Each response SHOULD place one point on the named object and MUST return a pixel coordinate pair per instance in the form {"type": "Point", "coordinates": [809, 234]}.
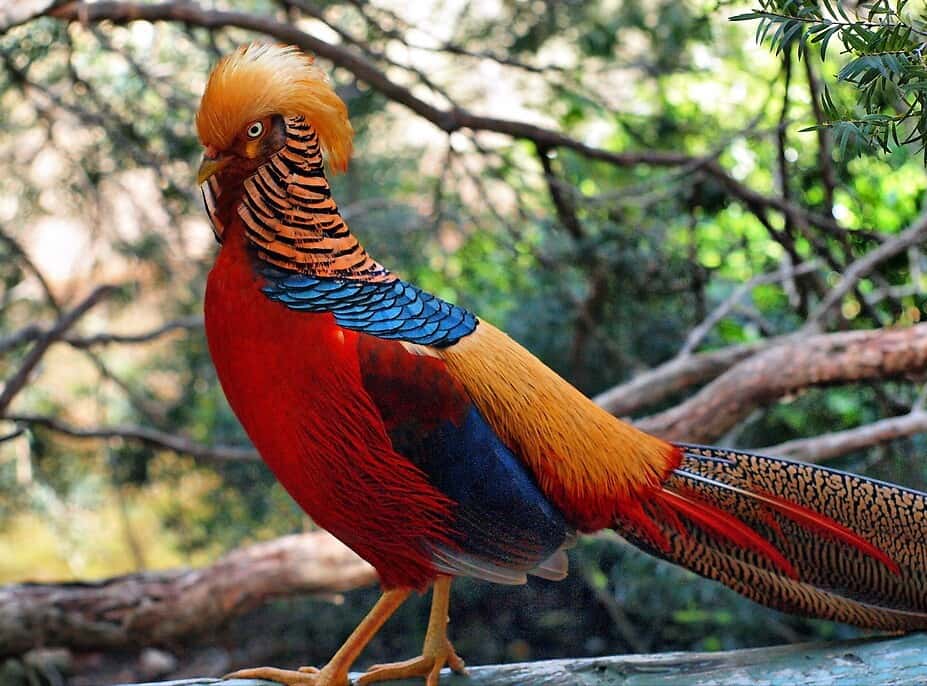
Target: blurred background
{"type": "Point", "coordinates": [690, 213]}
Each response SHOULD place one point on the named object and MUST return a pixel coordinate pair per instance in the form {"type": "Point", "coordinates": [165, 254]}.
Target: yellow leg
{"type": "Point", "coordinates": [436, 652]}
{"type": "Point", "coordinates": [335, 673]}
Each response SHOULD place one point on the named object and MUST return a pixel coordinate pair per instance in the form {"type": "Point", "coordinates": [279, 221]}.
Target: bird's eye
{"type": "Point", "coordinates": [255, 129]}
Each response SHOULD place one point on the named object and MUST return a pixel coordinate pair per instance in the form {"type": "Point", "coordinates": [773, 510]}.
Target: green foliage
{"type": "Point", "coordinates": [886, 42]}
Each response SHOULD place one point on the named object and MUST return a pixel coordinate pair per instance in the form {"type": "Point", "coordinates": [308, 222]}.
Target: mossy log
{"type": "Point", "coordinates": [891, 661]}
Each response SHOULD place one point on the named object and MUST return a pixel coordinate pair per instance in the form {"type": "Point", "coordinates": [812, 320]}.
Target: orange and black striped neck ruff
{"type": "Point", "coordinates": [312, 263]}
{"type": "Point", "coordinates": [293, 222]}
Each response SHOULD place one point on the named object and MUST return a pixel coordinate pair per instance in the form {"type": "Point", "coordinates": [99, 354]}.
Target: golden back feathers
{"type": "Point", "coordinates": [259, 80]}
{"type": "Point", "coordinates": [587, 462]}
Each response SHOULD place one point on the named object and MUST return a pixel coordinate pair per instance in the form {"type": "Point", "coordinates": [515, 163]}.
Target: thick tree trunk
{"type": "Point", "coordinates": [870, 661]}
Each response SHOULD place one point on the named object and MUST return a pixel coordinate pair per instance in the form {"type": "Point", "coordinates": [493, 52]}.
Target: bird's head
{"type": "Point", "coordinates": [241, 121]}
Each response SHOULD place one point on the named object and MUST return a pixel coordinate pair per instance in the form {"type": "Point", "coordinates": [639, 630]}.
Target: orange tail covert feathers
{"type": "Point", "coordinates": [588, 463]}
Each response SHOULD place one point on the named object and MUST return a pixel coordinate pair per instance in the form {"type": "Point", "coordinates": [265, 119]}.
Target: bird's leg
{"type": "Point", "coordinates": [335, 673]}
{"type": "Point", "coordinates": [436, 652]}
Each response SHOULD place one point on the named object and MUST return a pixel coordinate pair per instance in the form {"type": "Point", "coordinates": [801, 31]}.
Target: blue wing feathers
{"type": "Point", "coordinates": [501, 514]}
{"type": "Point", "coordinates": [393, 310]}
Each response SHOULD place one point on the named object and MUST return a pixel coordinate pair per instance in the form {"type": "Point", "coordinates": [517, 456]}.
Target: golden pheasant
{"type": "Point", "coordinates": [435, 446]}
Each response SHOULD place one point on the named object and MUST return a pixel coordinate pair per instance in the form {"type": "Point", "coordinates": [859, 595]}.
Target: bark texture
{"type": "Point", "coordinates": [871, 661]}
{"type": "Point", "coordinates": [776, 373]}
{"type": "Point", "coordinates": [160, 607]}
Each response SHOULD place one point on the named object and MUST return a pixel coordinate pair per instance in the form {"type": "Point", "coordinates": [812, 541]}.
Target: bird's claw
{"type": "Point", "coordinates": [428, 665]}
{"type": "Point", "coordinates": [304, 676]}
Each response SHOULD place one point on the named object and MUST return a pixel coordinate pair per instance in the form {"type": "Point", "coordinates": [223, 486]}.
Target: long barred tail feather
{"type": "Point", "coordinates": [797, 537]}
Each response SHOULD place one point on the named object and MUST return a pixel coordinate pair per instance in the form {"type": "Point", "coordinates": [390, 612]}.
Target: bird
{"type": "Point", "coordinates": [436, 447]}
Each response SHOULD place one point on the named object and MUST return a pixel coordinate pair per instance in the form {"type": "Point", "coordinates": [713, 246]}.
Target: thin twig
{"type": "Point", "coordinates": [20, 337]}
{"type": "Point", "coordinates": [31, 267]}
{"type": "Point", "coordinates": [16, 382]}
{"type": "Point", "coordinates": [15, 433]}
{"type": "Point", "coordinates": [859, 269]}
{"type": "Point", "coordinates": [183, 323]}
{"type": "Point", "coordinates": [697, 335]}
{"type": "Point", "coordinates": [825, 147]}
{"type": "Point", "coordinates": [562, 201]}
{"type": "Point", "coordinates": [616, 613]}
{"type": "Point", "coordinates": [145, 435]}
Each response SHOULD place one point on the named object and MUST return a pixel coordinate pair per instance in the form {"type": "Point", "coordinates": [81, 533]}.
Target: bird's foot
{"type": "Point", "coordinates": [428, 665]}
{"type": "Point", "coordinates": [304, 676]}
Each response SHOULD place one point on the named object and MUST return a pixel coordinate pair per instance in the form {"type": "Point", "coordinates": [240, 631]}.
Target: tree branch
{"type": "Point", "coordinates": [786, 272]}
{"type": "Point", "coordinates": [32, 268]}
{"type": "Point", "coordinates": [20, 337]}
{"type": "Point", "coordinates": [820, 360]}
{"type": "Point", "coordinates": [16, 382]}
{"type": "Point", "coordinates": [183, 323]}
{"type": "Point", "coordinates": [912, 236]}
{"type": "Point", "coordinates": [157, 608]}
{"type": "Point", "coordinates": [880, 660]}
{"type": "Point", "coordinates": [563, 203]}
{"type": "Point", "coordinates": [33, 331]}
{"type": "Point", "coordinates": [448, 120]}
{"type": "Point", "coordinates": [145, 435]}
{"type": "Point", "coordinates": [654, 385]}
{"type": "Point", "coordinates": [827, 446]}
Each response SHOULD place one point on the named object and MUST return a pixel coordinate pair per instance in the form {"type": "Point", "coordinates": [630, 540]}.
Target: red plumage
{"type": "Point", "coordinates": [394, 378]}
{"type": "Point", "coordinates": [329, 450]}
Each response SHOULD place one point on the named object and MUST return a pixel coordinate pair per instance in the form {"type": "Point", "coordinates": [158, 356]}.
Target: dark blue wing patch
{"type": "Point", "coordinates": [502, 516]}
{"type": "Point", "coordinates": [394, 310]}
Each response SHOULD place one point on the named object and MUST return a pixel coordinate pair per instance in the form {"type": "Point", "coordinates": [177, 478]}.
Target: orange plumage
{"type": "Point", "coordinates": [586, 461]}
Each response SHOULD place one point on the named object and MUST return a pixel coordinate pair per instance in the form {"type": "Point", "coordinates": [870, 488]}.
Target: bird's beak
{"type": "Point", "coordinates": [210, 166]}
